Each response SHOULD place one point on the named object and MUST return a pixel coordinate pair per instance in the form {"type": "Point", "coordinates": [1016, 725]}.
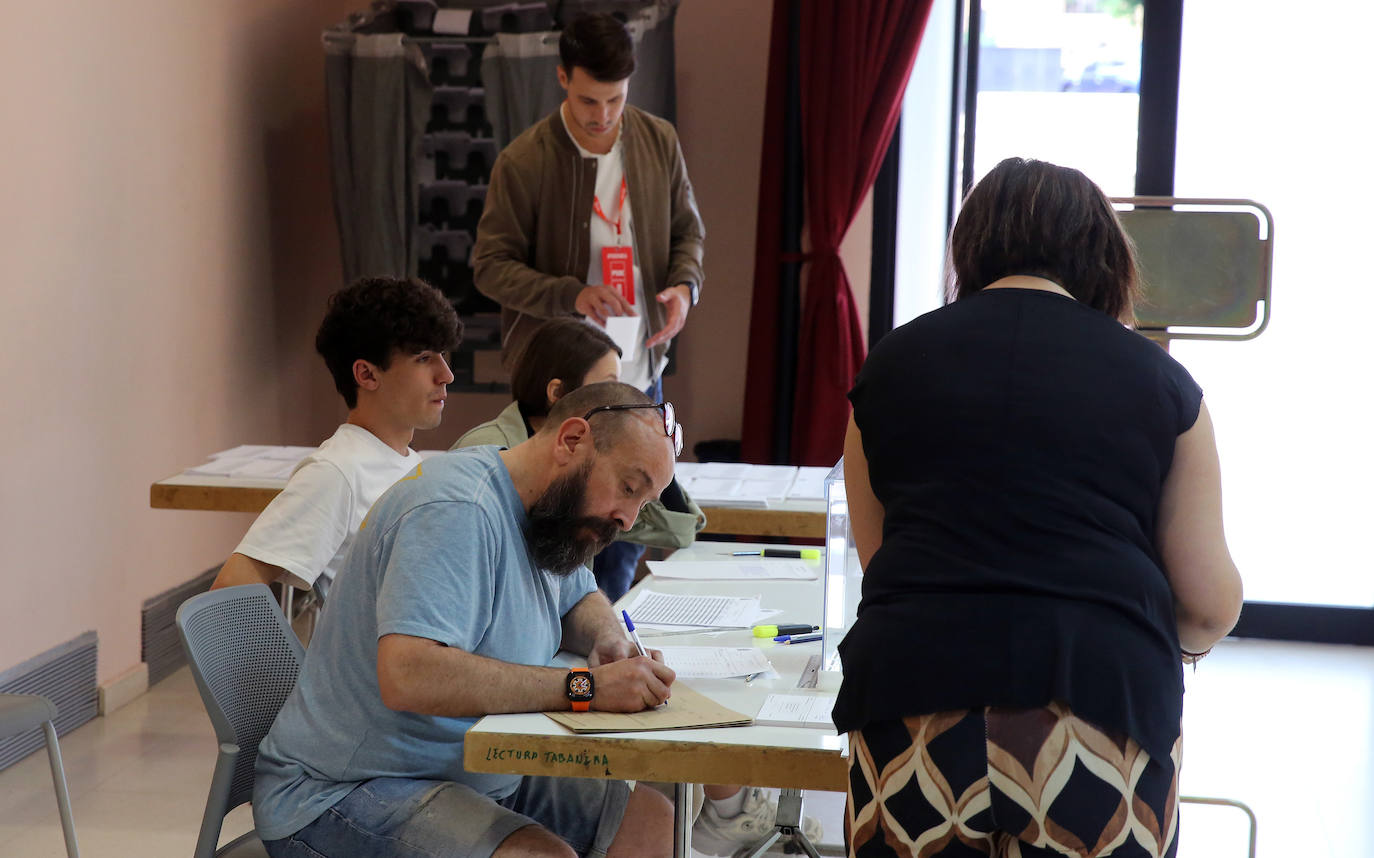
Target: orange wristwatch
{"type": "Point", "coordinates": [580, 688]}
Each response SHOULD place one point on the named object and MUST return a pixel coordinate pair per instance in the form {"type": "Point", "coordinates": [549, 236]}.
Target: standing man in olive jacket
{"type": "Point", "coordinates": [596, 175]}
{"type": "Point", "coordinates": [590, 212]}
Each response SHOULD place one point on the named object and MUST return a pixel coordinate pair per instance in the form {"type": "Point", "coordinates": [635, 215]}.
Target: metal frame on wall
{"type": "Point", "coordinates": [1156, 148]}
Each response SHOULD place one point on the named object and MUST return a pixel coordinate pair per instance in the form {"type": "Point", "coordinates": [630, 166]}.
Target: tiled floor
{"type": "Point", "coordinates": [1287, 728]}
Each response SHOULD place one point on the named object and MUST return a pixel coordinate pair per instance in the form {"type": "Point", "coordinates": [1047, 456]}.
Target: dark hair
{"type": "Point", "coordinates": [600, 44]}
{"type": "Point", "coordinates": [610, 425]}
{"type": "Point", "coordinates": [378, 316]}
{"type": "Point", "coordinates": [563, 348]}
{"type": "Point", "coordinates": [1043, 220]}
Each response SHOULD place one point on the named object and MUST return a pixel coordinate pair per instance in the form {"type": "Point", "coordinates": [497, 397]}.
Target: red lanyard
{"type": "Point", "coordinates": [620, 210]}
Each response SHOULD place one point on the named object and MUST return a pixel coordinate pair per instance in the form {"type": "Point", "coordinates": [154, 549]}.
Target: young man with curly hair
{"type": "Point", "coordinates": [384, 341]}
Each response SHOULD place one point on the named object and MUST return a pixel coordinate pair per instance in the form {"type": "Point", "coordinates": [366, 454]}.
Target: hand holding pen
{"type": "Point", "coordinates": [653, 655]}
{"type": "Point", "coordinates": [634, 635]}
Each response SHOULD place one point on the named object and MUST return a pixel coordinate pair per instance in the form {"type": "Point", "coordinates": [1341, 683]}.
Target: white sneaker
{"type": "Point", "coordinates": [716, 835]}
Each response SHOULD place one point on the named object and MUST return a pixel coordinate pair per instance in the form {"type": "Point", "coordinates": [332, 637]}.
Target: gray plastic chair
{"type": "Point", "coordinates": [20, 713]}
{"type": "Point", "coordinates": [245, 659]}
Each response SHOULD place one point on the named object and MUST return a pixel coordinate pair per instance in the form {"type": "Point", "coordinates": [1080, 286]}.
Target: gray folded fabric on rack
{"type": "Point", "coordinates": [378, 99]}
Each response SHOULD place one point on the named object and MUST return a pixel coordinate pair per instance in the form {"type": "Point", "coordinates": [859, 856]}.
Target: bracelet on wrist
{"type": "Point", "coordinates": [1193, 657]}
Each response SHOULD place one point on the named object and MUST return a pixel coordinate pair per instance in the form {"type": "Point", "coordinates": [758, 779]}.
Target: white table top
{"type": "Point", "coordinates": [814, 755]}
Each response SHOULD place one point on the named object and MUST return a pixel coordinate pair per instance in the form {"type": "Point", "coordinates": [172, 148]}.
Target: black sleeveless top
{"type": "Point", "coordinates": [1018, 442]}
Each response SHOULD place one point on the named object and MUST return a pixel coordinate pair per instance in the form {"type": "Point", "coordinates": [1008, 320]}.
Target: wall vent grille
{"type": "Point", "coordinates": [65, 675]}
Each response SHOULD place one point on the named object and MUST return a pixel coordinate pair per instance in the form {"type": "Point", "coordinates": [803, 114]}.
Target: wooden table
{"type": "Point", "coordinates": [786, 757]}
{"type": "Point", "coordinates": [793, 520]}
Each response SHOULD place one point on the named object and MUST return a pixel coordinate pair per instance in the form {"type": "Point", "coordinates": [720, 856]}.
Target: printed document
{"type": "Point", "coordinates": [715, 662]}
{"type": "Point", "coordinates": [719, 612]}
{"type": "Point", "coordinates": [738, 570]}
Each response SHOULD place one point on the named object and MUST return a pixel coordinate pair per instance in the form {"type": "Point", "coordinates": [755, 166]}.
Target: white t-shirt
{"type": "Point", "coordinates": [307, 529]}
{"type": "Point", "coordinates": [635, 368]}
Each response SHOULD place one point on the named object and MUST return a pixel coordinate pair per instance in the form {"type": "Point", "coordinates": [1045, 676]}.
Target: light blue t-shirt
{"type": "Point", "coordinates": [442, 555]}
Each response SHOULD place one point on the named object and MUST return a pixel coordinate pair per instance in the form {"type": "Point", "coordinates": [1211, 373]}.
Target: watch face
{"type": "Point", "coordinates": [579, 686]}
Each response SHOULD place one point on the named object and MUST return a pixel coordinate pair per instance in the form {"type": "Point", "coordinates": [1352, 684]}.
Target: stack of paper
{"type": "Point", "coordinates": [808, 485]}
{"type": "Point", "coordinates": [715, 662]}
{"type": "Point", "coordinates": [738, 485]}
{"type": "Point", "coordinates": [727, 570]}
{"type": "Point", "coordinates": [797, 710]}
{"type": "Point", "coordinates": [715, 612]}
{"type": "Point", "coordinates": [253, 461]}
{"type": "Point", "coordinates": [260, 462]}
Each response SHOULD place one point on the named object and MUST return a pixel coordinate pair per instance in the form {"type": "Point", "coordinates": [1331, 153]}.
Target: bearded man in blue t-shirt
{"type": "Point", "coordinates": [466, 577]}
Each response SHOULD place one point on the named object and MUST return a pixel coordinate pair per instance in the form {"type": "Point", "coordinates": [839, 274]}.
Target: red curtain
{"type": "Point", "coordinates": [760, 384]}
{"type": "Point", "coordinates": [856, 56]}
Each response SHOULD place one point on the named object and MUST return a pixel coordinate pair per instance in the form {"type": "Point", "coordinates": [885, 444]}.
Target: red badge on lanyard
{"type": "Point", "coordinates": [617, 262]}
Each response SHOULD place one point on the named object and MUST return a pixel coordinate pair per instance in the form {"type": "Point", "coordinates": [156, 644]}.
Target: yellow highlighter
{"type": "Point", "coordinates": [776, 631]}
{"type": "Point", "coordinates": [791, 553]}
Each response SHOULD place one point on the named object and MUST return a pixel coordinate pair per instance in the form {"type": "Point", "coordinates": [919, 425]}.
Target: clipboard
{"type": "Point", "coordinates": [686, 709]}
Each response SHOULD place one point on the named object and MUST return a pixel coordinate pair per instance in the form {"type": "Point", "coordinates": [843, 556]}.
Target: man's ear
{"type": "Point", "coordinates": [366, 375]}
{"type": "Point", "coordinates": [574, 435]}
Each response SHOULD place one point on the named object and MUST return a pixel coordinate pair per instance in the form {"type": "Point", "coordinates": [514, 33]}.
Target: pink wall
{"type": "Point", "coordinates": [166, 237]}
{"type": "Point", "coordinates": [166, 246]}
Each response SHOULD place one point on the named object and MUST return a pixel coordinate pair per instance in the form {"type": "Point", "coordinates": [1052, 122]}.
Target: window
{"type": "Point", "coordinates": [1060, 81]}
{"type": "Point", "coordinates": [1293, 408]}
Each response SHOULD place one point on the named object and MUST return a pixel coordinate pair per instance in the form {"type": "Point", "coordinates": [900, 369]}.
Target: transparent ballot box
{"type": "Point", "coordinates": [843, 576]}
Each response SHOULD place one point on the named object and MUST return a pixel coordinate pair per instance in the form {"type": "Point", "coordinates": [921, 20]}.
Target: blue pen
{"type": "Point", "coordinates": [634, 635]}
{"type": "Point", "coordinates": [796, 639]}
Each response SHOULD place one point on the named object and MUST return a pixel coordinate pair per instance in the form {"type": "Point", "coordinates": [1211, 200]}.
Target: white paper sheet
{"type": "Point", "coordinates": [224, 466]}
{"type": "Point", "coordinates": [715, 662]}
{"type": "Point", "coordinates": [735, 570]}
{"type": "Point", "coordinates": [242, 451]}
{"type": "Point", "coordinates": [727, 471]}
{"type": "Point", "coordinates": [686, 470]}
{"type": "Point", "coordinates": [266, 469]}
{"type": "Point", "coordinates": [628, 333]}
{"type": "Point", "coordinates": [809, 484]}
{"type": "Point", "coordinates": [668, 609]}
{"type": "Point", "coordinates": [288, 454]}
{"type": "Point", "coordinates": [797, 710]}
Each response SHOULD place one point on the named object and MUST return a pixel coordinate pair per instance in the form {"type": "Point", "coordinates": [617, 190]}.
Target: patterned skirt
{"type": "Point", "coordinates": [1007, 782]}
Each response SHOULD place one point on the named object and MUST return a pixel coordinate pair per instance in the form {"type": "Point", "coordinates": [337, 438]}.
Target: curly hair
{"type": "Point", "coordinates": [1033, 217]}
{"type": "Point", "coordinates": [377, 317]}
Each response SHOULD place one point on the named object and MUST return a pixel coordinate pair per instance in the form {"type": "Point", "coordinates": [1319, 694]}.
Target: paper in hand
{"type": "Point", "coordinates": [628, 333]}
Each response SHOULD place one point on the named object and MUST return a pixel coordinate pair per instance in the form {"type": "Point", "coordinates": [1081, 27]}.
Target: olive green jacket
{"type": "Point", "coordinates": [656, 525]}
{"type": "Point", "coordinates": [533, 241]}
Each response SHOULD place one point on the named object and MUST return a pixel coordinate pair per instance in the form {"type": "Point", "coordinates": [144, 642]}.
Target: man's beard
{"type": "Point", "coordinates": [561, 538]}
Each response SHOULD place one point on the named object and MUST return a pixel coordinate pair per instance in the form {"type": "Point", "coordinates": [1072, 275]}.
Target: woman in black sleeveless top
{"type": "Point", "coordinates": [1035, 496]}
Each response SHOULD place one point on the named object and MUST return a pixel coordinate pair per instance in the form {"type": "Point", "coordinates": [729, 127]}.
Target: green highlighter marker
{"type": "Point", "coordinates": [792, 553]}
{"type": "Point", "coordinates": [775, 631]}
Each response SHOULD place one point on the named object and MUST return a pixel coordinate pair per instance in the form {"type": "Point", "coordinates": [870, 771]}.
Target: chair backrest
{"type": "Point", "coordinates": [245, 658]}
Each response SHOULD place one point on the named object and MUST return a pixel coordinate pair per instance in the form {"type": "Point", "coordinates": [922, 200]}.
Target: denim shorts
{"type": "Point", "coordinates": [406, 818]}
